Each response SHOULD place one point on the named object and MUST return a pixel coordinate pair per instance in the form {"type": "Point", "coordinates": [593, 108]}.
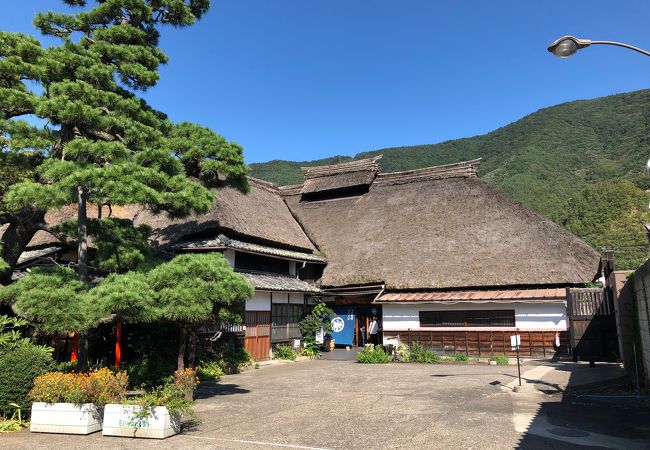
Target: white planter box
{"type": "Point", "coordinates": [120, 420]}
{"type": "Point", "coordinates": [68, 418]}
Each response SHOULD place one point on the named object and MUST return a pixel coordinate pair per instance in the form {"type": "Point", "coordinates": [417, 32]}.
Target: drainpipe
{"type": "Point", "coordinates": [304, 263]}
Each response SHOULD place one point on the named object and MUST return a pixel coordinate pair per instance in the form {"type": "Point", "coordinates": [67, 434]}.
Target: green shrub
{"type": "Point", "coordinates": [209, 370]}
{"type": "Point", "coordinates": [403, 353]}
{"type": "Point", "coordinates": [19, 366]}
{"type": "Point", "coordinates": [151, 353]}
{"type": "Point", "coordinates": [231, 356]}
{"type": "Point", "coordinates": [309, 352]}
{"type": "Point", "coordinates": [460, 357]}
{"type": "Point", "coordinates": [372, 355]}
{"type": "Point", "coordinates": [500, 360]}
{"type": "Point", "coordinates": [423, 355]}
{"type": "Point", "coordinates": [283, 351]}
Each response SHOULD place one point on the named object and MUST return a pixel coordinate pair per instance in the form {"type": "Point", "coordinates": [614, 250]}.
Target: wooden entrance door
{"type": "Point", "coordinates": [592, 325]}
{"type": "Point", "coordinates": [258, 334]}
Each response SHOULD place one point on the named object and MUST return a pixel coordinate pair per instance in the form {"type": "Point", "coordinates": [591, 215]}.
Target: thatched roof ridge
{"type": "Point", "coordinates": [359, 165]}
{"type": "Point", "coordinates": [441, 228]}
{"type": "Point", "coordinates": [465, 169]}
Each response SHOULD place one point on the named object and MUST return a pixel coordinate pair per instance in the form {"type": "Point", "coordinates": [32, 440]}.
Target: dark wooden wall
{"type": "Point", "coordinates": [485, 343]}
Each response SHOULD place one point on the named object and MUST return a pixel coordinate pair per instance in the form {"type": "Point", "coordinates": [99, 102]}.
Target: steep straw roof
{"type": "Point", "coordinates": [261, 215]}
{"type": "Point", "coordinates": [440, 228]}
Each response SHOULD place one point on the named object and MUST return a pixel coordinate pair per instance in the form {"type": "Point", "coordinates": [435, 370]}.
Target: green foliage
{"type": "Point", "coordinates": [3, 263]}
{"type": "Point", "coordinates": [150, 354]}
{"type": "Point", "coordinates": [167, 395]}
{"type": "Point", "coordinates": [229, 355]}
{"type": "Point", "coordinates": [52, 299]}
{"type": "Point", "coordinates": [19, 365]}
{"type": "Point", "coordinates": [102, 143]}
{"type": "Point", "coordinates": [128, 296]}
{"type": "Point", "coordinates": [120, 245]}
{"type": "Point", "coordinates": [460, 357]}
{"type": "Point", "coordinates": [372, 355]}
{"type": "Point", "coordinates": [207, 156]}
{"type": "Point", "coordinates": [610, 215]}
{"type": "Point", "coordinates": [191, 287]}
{"type": "Point", "coordinates": [422, 355]}
{"type": "Point", "coordinates": [15, 422]}
{"type": "Point", "coordinates": [319, 317]}
{"type": "Point", "coordinates": [500, 360]}
{"type": "Point", "coordinates": [543, 160]}
{"type": "Point", "coordinates": [283, 351]}
{"type": "Point", "coordinates": [209, 370]}
{"type": "Point", "coordinates": [310, 352]}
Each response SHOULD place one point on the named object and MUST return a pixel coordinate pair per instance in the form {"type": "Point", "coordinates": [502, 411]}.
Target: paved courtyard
{"type": "Point", "coordinates": [341, 405]}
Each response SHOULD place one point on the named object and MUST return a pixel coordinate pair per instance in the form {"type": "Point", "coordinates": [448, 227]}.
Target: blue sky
{"type": "Point", "coordinates": [304, 79]}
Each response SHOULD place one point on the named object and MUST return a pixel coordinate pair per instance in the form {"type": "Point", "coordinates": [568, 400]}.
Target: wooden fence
{"type": "Point", "coordinates": [485, 343]}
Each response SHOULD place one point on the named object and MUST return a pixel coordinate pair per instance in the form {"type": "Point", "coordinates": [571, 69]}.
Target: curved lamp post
{"type": "Point", "coordinates": [568, 45]}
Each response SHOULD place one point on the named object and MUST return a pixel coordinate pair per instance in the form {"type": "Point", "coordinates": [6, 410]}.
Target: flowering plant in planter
{"type": "Point", "coordinates": [72, 402]}
{"type": "Point", "coordinates": [155, 414]}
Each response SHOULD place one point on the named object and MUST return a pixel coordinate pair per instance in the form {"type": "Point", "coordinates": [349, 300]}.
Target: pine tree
{"type": "Point", "coordinates": [193, 287]}
{"type": "Point", "coordinates": [102, 144]}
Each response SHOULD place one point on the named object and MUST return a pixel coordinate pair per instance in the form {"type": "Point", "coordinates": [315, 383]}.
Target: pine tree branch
{"type": "Point", "coordinates": [15, 111]}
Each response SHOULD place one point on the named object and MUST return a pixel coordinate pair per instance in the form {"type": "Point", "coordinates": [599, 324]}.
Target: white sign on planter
{"type": "Point", "coordinates": [121, 420]}
{"type": "Point", "coordinates": [68, 418]}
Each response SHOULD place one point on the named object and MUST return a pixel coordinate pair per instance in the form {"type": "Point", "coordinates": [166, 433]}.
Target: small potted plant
{"type": "Point", "coordinates": [155, 414]}
{"type": "Point", "coordinates": [72, 403]}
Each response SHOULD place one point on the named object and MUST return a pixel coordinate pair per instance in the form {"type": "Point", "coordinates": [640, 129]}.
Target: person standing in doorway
{"type": "Point", "coordinates": [373, 331]}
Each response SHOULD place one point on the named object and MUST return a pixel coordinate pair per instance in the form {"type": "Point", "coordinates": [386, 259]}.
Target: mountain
{"type": "Point", "coordinates": [549, 160]}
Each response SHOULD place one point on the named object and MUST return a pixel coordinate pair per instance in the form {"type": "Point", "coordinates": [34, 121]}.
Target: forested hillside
{"type": "Point", "coordinates": [558, 161]}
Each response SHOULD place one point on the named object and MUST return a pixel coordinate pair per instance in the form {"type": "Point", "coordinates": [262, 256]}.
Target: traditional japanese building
{"type": "Point", "coordinates": [436, 254]}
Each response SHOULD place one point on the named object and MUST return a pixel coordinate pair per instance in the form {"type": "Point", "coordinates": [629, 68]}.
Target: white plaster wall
{"type": "Point", "coordinates": [528, 316]}
{"type": "Point", "coordinates": [261, 301]}
{"type": "Point", "coordinates": [297, 299]}
{"type": "Point", "coordinates": [229, 254]}
{"type": "Point", "coordinates": [280, 297]}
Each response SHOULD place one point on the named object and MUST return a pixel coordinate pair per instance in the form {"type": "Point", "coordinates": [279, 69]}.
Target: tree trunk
{"type": "Point", "coordinates": [191, 358]}
{"type": "Point", "coordinates": [82, 230]}
{"type": "Point", "coordinates": [181, 348]}
{"type": "Point", "coordinates": [82, 266]}
{"type": "Point", "coordinates": [23, 225]}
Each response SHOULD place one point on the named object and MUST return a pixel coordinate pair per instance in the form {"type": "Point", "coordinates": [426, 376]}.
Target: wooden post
{"type": "Point", "coordinates": [118, 344]}
{"type": "Point", "coordinates": [75, 348]}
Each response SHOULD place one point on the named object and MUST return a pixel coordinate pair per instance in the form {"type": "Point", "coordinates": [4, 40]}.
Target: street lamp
{"type": "Point", "coordinates": [568, 45]}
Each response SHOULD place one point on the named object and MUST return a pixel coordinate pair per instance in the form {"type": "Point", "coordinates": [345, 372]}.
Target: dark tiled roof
{"type": "Point", "coordinates": [265, 282]}
{"type": "Point", "coordinates": [223, 241]}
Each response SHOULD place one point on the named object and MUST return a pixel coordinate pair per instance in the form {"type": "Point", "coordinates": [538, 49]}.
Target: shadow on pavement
{"type": "Point", "coordinates": [570, 420]}
{"type": "Point", "coordinates": [209, 389]}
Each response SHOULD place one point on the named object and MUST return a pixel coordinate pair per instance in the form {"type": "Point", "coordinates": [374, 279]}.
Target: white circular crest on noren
{"type": "Point", "coordinates": [337, 324]}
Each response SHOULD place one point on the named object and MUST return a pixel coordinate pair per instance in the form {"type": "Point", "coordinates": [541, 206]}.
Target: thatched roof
{"type": "Point", "coordinates": [440, 228]}
{"type": "Point", "coordinates": [45, 239]}
{"type": "Point", "coordinates": [261, 216]}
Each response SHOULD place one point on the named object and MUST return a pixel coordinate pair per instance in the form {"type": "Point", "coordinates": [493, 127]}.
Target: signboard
{"type": "Point", "coordinates": [343, 325]}
{"type": "Point", "coordinates": [320, 336]}
{"type": "Point", "coordinates": [515, 341]}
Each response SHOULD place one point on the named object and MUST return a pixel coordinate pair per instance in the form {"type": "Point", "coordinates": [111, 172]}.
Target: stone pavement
{"type": "Point", "coordinates": [340, 404]}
